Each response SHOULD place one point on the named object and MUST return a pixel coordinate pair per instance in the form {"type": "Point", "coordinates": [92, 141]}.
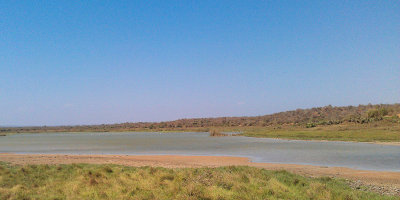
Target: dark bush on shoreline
{"type": "Point", "coordinates": [215, 133]}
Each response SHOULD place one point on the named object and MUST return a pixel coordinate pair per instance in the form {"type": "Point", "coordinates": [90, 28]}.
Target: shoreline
{"type": "Point", "coordinates": [308, 140]}
{"type": "Point", "coordinates": [397, 143]}
{"type": "Point", "coordinates": [383, 180]}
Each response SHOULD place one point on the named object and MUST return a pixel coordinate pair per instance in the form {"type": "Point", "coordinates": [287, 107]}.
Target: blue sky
{"type": "Point", "coordinates": [94, 62]}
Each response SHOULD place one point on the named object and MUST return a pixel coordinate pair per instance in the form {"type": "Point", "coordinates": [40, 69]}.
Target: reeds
{"type": "Point", "coordinates": [215, 133]}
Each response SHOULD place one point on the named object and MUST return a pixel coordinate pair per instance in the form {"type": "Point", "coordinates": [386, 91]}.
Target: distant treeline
{"type": "Point", "coordinates": [305, 117]}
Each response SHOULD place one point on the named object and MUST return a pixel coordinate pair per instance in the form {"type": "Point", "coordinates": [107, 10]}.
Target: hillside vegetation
{"type": "Point", "coordinates": [350, 123]}
{"type": "Point", "coordinates": [83, 181]}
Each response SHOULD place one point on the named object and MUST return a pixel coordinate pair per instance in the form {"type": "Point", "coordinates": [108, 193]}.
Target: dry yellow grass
{"type": "Point", "coordinates": [82, 181]}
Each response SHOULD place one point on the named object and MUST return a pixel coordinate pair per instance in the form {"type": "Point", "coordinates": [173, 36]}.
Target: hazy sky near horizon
{"type": "Point", "coordinates": [94, 62]}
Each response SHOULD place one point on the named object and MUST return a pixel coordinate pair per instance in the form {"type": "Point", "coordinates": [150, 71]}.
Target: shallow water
{"type": "Point", "coordinates": [345, 154]}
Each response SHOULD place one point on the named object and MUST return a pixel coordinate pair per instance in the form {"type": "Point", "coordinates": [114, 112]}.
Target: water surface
{"type": "Point", "coordinates": [345, 154]}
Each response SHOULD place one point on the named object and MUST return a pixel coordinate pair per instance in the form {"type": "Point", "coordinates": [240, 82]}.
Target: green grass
{"type": "Point", "coordinates": [332, 133]}
{"type": "Point", "coordinates": [342, 132]}
{"type": "Point", "coordinates": [84, 181]}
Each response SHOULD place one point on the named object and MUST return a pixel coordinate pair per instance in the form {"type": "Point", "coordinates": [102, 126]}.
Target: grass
{"type": "Point", "coordinates": [341, 132]}
{"type": "Point", "coordinates": [84, 181]}
{"type": "Point", "coordinates": [334, 133]}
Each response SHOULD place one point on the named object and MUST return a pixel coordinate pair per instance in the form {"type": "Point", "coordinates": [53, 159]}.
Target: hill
{"type": "Point", "coordinates": [327, 115]}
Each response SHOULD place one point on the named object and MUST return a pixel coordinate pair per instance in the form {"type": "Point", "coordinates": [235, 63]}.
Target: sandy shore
{"type": "Point", "coordinates": [387, 143]}
{"type": "Point", "coordinates": [388, 180]}
{"type": "Point", "coordinates": [377, 142]}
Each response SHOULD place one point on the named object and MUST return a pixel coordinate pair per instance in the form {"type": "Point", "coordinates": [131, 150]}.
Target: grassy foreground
{"type": "Point", "coordinates": [84, 181]}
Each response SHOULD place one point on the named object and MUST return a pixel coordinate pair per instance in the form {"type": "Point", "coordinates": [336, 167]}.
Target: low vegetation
{"type": "Point", "coordinates": [365, 123]}
{"type": "Point", "coordinates": [372, 132]}
{"type": "Point", "coordinates": [84, 181]}
{"type": "Point", "coordinates": [215, 133]}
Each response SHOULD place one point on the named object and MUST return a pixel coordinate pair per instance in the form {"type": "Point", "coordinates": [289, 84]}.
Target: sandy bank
{"type": "Point", "coordinates": [387, 143]}
{"type": "Point", "coordinates": [374, 178]}
{"type": "Point", "coordinates": [376, 142]}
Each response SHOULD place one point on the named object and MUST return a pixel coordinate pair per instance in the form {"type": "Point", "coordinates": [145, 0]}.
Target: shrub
{"type": "Point", "coordinates": [311, 125]}
{"type": "Point", "coordinates": [377, 114]}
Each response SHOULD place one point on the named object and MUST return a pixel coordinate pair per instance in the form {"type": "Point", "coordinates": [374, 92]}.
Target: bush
{"type": "Point", "coordinates": [215, 133]}
{"type": "Point", "coordinates": [311, 125]}
{"type": "Point", "coordinates": [377, 114]}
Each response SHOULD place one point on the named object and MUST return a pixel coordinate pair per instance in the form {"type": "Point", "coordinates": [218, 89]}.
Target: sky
{"type": "Point", "coordinates": [98, 62]}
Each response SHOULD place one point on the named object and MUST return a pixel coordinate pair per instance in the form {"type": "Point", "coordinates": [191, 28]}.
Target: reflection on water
{"type": "Point", "coordinates": [346, 154]}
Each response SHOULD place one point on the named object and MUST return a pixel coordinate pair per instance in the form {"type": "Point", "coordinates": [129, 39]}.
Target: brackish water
{"type": "Point", "coordinates": [344, 154]}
